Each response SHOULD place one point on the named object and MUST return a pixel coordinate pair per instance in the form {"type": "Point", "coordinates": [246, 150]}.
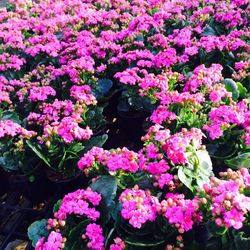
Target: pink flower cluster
{"type": "Point", "coordinates": [82, 93]}
{"type": "Point", "coordinates": [123, 159]}
{"type": "Point", "coordinates": [228, 204]}
{"type": "Point", "coordinates": [226, 116]}
{"type": "Point", "coordinates": [41, 93]}
{"type": "Point", "coordinates": [119, 159]}
{"type": "Point", "coordinates": [161, 114]}
{"type": "Point", "coordinates": [68, 129]}
{"type": "Point", "coordinates": [176, 146]}
{"type": "Point", "coordinates": [9, 128]}
{"type": "Point", "coordinates": [78, 203]}
{"type": "Point", "coordinates": [119, 244]}
{"type": "Point", "coordinates": [203, 76]}
{"type": "Point", "coordinates": [138, 206]}
{"type": "Point", "coordinates": [55, 241]}
{"type": "Point", "coordinates": [180, 212]}
{"type": "Point", "coordinates": [95, 236]}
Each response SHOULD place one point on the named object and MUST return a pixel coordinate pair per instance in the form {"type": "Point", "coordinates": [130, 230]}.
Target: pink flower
{"type": "Point", "coordinates": [68, 129]}
{"type": "Point", "coordinates": [181, 212]}
{"type": "Point", "coordinates": [228, 205]}
{"type": "Point", "coordinates": [165, 180]}
{"type": "Point", "coordinates": [12, 129]}
{"type": "Point", "coordinates": [138, 206]}
{"type": "Point", "coordinates": [54, 242]}
{"type": "Point", "coordinates": [41, 93]}
{"type": "Point", "coordinates": [119, 244]}
{"type": "Point", "coordinates": [161, 114]}
{"type": "Point", "coordinates": [82, 93]}
{"type": "Point", "coordinates": [96, 239]}
{"type": "Point", "coordinates": [78, 203]}
{"type": "Point", "coordinates": [123, 159]}
{"type": "Point", "coordinates": [176, 145]}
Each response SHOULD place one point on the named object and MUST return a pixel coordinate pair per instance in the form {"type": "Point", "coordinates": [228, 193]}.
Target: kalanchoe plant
{"type": "Point", "coordinates": [186, 63]}
{"type": "Point", "coordinates": [14, 148]}
{"type": "Point", "coordinates": [93, 217]}
{"type": "Point", "coordinates": [187, 59]}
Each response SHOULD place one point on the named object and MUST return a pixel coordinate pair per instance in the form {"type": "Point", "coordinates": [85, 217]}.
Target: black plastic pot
{"type": "Point", "coordinates": [4, 185]}
{"type": "Point", "coordinates": [39, 189]}
{"type": "Point", "coordinates": [132, 125]}
{"type": "Point", "coordinates": [35, 189]}
{"type": "Point", "coordinates": [63, 185]}
{"type": "Point", "coordinates": [201, 234]}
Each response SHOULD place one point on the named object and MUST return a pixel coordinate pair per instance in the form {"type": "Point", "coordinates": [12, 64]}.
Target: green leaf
{"type": "Point", "coordinates": [8, 162]}
{"type": "Point", "coordinates": [193, 246]}
{"type": "Point", "coordinates": [222, 151]}
{"type": "Point", "coordinates": [76, 245]}
{"type": "Point", "coordinates": [38, 153]}
{"type": "Point", "coordinates": [205, 168]}
{"type": "Point", "coordinates": [108, 238]}
{"type": "Point", "coordinates": [116, 212]}
{"type": "Point", "coordinates": [232, 87]}
{"type": "Point", "coordinates": [137, 241]}
{"type": "Point", "coordinates": [57, 206]}
{"type": "Point", "coordinates": [242, 90]}
{"type": "Point", "coordinates": [186, 176]}
{"type": "Point", "coordinates": [7, 115]}
{"type": "Point", "coordinates": [97, 141]}
{"type": "Point", "coordinates": [240, 161]}
{"type": "Point", "coordinates": [214, 229]}
{"type": "Point", "coordinates": [209, 31]}
{"type": "Point", "coordinates": [107, 187]}
{"type": "Point", "coordinates": [77, 231]}
{"type": "Point", "coordinates": [76, 148]}
{"type": "Point", "coordinates": [32, 178]}
{"type": "Point", "coordinates": [103, 86]}
{"type": "Point", "coordinates": [37, 230]}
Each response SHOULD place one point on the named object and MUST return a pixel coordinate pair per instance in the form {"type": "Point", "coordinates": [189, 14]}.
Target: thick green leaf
{"type": "Point", "coordinates": [8, 163]}
{"type": "Point", "coordinates": [205, 168]}
{"type": "Point", "coordinates": [240, 161]}
{"type": "Point", "coordinates": [143, 241]}
{"type": "Point", "coordinates": [76, 245]}
{"type": "Point", "coordinates": [136, 102]}
{"type": "Point", "coordinates": [199, 173]}
{"type": "Point", "coordinates": [116, 212]}
{"type": "Point", "coordinates": [186, 176]}
{"type": "Point", "coordinates": [97, 141]}
{"type": "Point", "coordinates": [193, 246]}
{"type": "Point", "coordinates": [242, 90]}
{"type": "Point", "coordinates": [57, 206]}
{"type": "Point", "coordinates": [37, 230]}
{"type": "Point", "coordinates": [7, 115]}
{"type": "Point", "coordinates": [222, 151]}
{"type": "Point", "coordinates": [107, 187]}
{"type": "Point", "coordinates": [215, 230]}
{"type": "Point", "coordinates": [38, 153]}
{"type": "Point", "coordinates": [102, 87]}
{"type": "Point", "coordinates": [209, 31]}
{"type": "Point", "coordinates": [77, 231]}
{"type": "Point", "coordinates": [232, 87]}
{"type": "Point", "coordinates": [76, 148]}
{"type": "Point", "coordinates": [109, 237]}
